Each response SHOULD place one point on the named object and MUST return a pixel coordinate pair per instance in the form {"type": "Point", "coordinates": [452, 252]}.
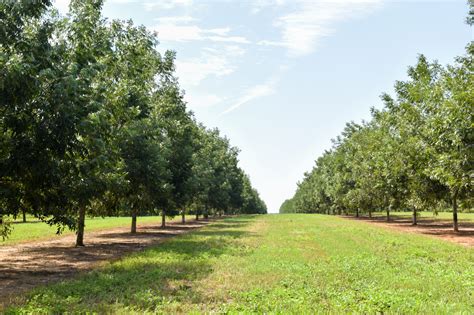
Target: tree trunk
{"type": "Point", "coordinates": [183, 217]}
{"type": "Point", "coordinates": [206, 213]}
{"type": "Point", "coordinates": [134, 222]}
{"type": "Point", "coordinates": [357, 212]}
{"type": "Point", "coordinates": [24, 216]}
{"type": "Point", "coordinates": [163, 219]}
{"type": "Point", "coordinates": [414, 217]}
{"type": "Point", "coordinates": [455, 212]}
{"type": "Point", "coordinates": [197, 215]}
{"type": "Point", "coordinates": [370, 213]}
{"type": "Point", "coordinates": [80, 227]}
{"type": "Point", "coordinates": [388, 214]}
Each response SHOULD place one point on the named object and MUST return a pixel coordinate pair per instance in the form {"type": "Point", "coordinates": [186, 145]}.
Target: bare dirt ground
{"type": "Point", "coordinates": [28, 265]}
{"type": "Point", "coordinates": [439, 228]}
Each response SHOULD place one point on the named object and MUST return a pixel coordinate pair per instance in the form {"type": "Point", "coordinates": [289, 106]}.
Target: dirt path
{"type": "Point", "coordinates": [28, 265]}
{"type": "Point", "coordinates": [438, 228]}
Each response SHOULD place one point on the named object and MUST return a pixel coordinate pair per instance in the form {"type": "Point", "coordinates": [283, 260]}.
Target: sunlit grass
{"type": "Point", "coordinates": [276, 264]}
{"type": "Point", "coordinates": [36, 230]}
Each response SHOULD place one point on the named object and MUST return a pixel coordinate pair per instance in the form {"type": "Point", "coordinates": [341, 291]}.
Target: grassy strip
{"type": "Point", "coordinates": [36, 230]}
{"type": "Point", "coordinates": [279, 264]}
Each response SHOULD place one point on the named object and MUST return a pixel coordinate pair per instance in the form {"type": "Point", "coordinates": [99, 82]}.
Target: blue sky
{"type": "Point", "coordinates": [281, 78]}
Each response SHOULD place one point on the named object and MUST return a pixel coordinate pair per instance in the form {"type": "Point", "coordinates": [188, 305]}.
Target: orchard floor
{"type": "Point", "coordinates": [284, 264]}
{"type": "Point", "coordinates": [30, 264]}
{"type": "Point", "coordinates": [436, 227]}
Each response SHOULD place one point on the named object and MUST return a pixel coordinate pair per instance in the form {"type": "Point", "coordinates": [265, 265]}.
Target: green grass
{"type": "Point", "coordinates": [462, 216]}
{"type": "Point", "coordinates": [36, 230]}
{"type": "Point", "coordinates": [276, 264]}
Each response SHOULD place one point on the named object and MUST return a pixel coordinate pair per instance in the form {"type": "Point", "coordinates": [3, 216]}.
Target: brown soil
{"type": "Point", "coordinates": [28, 265]}
{"type": "Point", "coordinates": [439, 228]}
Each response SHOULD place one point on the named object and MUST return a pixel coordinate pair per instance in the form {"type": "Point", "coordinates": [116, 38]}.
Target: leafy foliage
{"type": "Point", "coordinates": [94, 123]}
{"type": "Point", "coordinates": [415, 153]}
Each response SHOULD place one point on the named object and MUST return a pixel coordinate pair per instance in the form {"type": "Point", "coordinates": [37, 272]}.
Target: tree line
{"type": "Point", "coordinates": [94, 123]}
{"type": "Point", "coordinates": [415, 153]}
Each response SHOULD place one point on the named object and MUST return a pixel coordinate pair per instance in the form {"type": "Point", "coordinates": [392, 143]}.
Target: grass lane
{"type": "Point", "coordinates": [37, 230]}
{"type": "Point", "coordinates": [277, 264]}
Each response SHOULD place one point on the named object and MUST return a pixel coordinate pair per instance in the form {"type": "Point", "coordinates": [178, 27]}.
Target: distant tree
{"type": "Point", "coordinates": [415, 153]}
{"type": "Point", "coordinates": [94, 123]}
{"type": "Point", "coordinates": [180, 128]}
{"type": "Point", "coordinates": [93, 165]}
{"type": "Point", "coordinates": [449, 132]}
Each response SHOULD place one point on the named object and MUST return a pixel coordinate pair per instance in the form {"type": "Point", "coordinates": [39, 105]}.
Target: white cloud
{"type": "Point", "coordinates": [63, 5]}
{"type": "Point", "coordinates": [258, 91]}
{"type": "Point", "coordinates": [219, 31]}
{"type": "Point", "coordinates": [302, 30]}
{"type": "Point", "coordinates": [192, 72]}
{"type": "Point", "coordinates": [178, 33]}
{"type": "Point", "coordinates": [198, 100]}
{"type": "Point", "coordinates": [228, 50]}
{"type": "Point", "coordinates": [176, 19]}
{"type": "Point", "coordinates": [178, 29]}
{"type": "Point", "coordinates": [229, 39]}
{"type": "Point", "coordinates": [271, 43]}
{"type": "Point", "coordinates": [258, 5]}
{"type": "Point", "coordinates": [166, 4]}
{"type": "Point", "coordinates": [212, 62]}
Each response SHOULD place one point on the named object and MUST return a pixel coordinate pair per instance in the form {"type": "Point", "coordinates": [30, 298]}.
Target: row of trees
{"type": "Point", "coordinates": [416, 153]}
{"type": "Point", "coordinates": [94, 123]}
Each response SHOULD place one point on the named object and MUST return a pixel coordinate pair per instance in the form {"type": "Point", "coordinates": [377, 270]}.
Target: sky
{"type": "Point", "coordinates": [280, 78]}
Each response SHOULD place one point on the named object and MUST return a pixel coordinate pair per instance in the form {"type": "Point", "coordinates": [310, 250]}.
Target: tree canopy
{"type": "Point", "coordinates": [94, 123]}
{"type": "Point", "coordinates": [416, 153]}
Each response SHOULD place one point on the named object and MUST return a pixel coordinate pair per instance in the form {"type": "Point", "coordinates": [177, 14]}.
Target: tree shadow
{"type": "Point", "coordinates": [227, 233]}
{"type": "Point", "coordinates": [231, 224]}
{"type": "Point", "coordinates": [28, 222]}
{"type": "Point", "coordinates": [442, 228]}
{"type": "Point", "coordinates": [144, 281]}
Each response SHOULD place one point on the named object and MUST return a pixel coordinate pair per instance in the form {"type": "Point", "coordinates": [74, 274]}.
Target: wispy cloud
{"type": "Point", "coordinates": [176, 19]}
{"type": "Point", "coordinates": [213, 62]}
{"type": "Point", "coordinates": [180, 29]}
{"type": "Point", "coordinates": [229, 39]}
{"type": "Point", "coordinates": [258, 5]}
{"type": "Point", "coordinates": [303, 29]}
{"type": "Point", "coordinates": [63, 5]}
{"type": "Point", "coordinates": [258, 91]}
{"type": "Point", "coordinates": [166, 4]}
{"type": "Point", "coordinates": [200, 100]}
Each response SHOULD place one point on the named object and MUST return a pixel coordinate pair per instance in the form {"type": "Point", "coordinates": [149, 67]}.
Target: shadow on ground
{"type": "Point", "coordinates": [44, 263]}
{"type": "Point", "coordinates": [441, 228]}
